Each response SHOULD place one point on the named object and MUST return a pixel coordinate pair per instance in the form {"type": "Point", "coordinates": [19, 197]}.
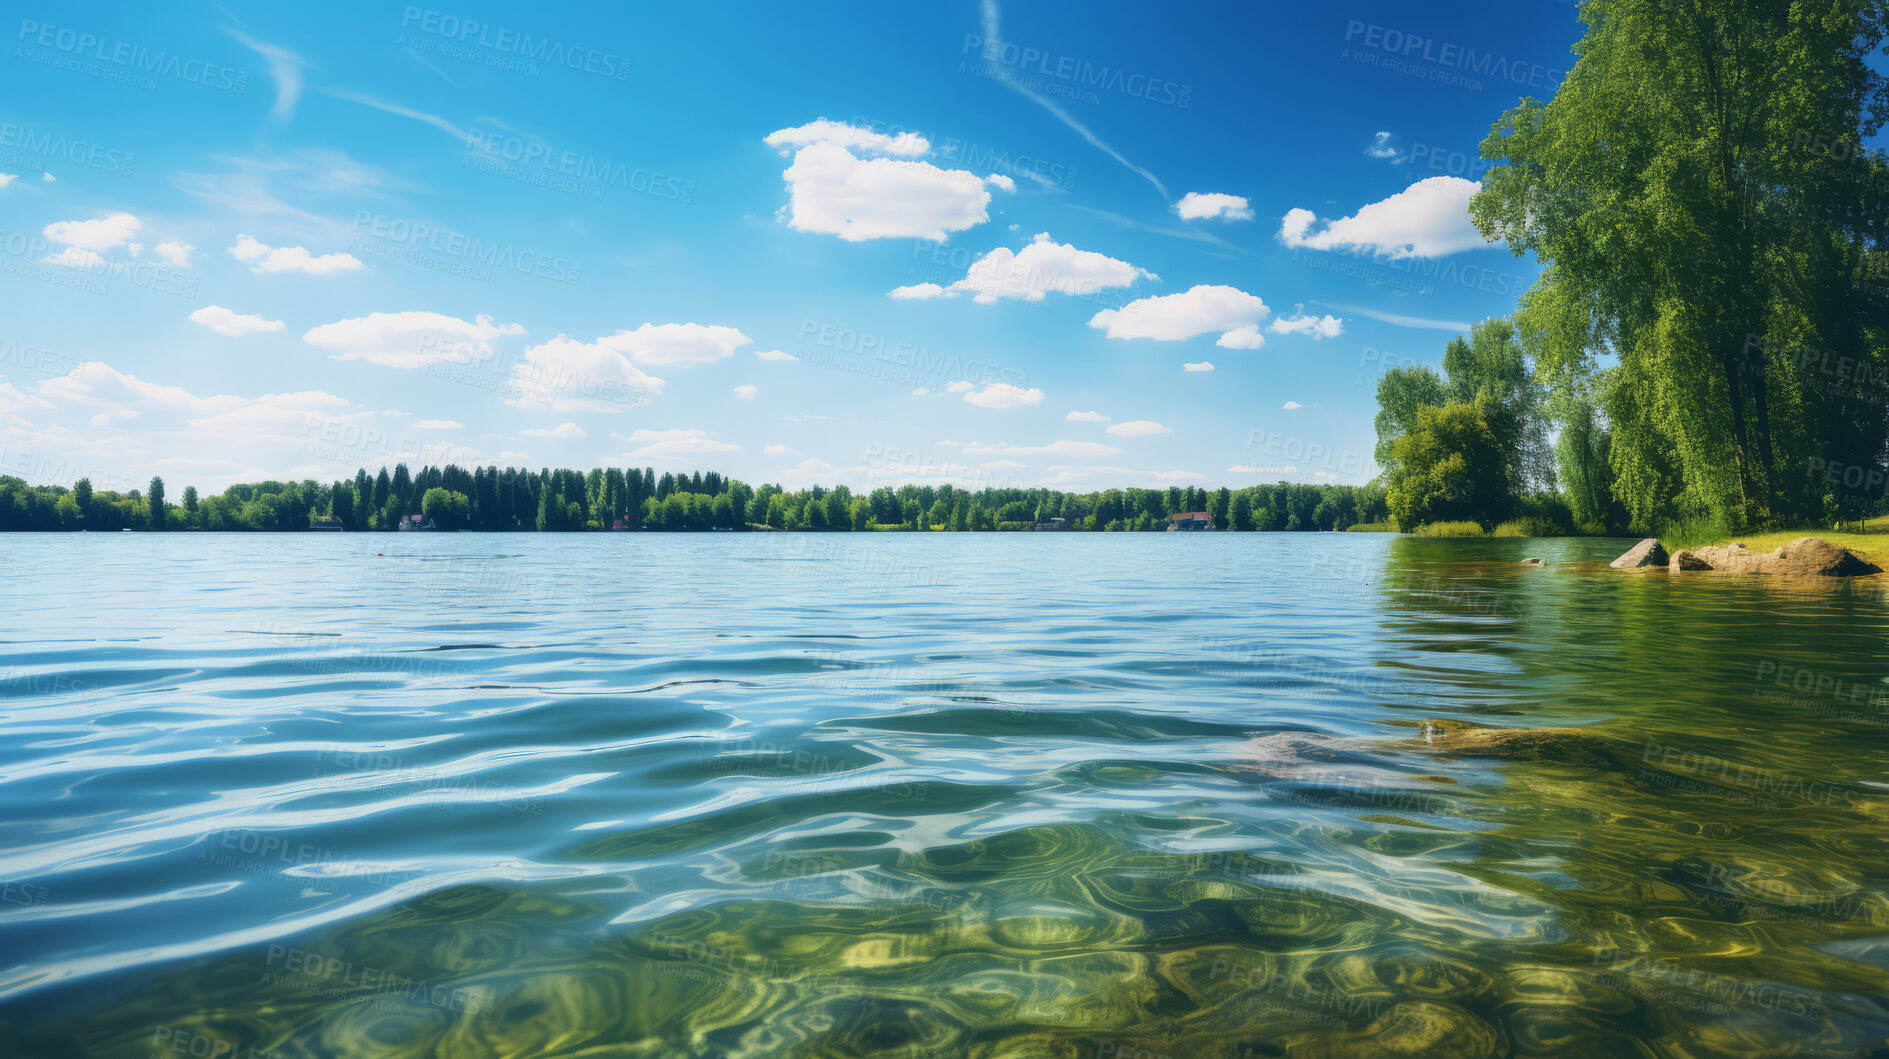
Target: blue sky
{"type": "Point", "coordinates": [289, 240]}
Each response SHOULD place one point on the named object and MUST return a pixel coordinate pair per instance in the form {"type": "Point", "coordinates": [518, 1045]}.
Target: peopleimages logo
{"type": "Point", "coordinates": [1451, 56]}
{"type": "Point", "coordinates": [1077, 72]}
{"type": "Point", "coordinates": [131, 58]}
{"type": "Point", "coordinates": [472, 33]}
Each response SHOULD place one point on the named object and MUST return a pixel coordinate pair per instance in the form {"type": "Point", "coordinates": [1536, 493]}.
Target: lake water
{"type": "Point", "coordinates": [944, 794]}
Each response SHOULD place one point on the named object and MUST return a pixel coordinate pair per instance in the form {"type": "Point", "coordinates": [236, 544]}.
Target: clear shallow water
{"type": "Point", "coordinates": [991, 795]}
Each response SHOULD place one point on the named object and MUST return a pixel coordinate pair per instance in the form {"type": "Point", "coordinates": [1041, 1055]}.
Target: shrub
{"type": "Point", "coordinates": [1372, 527]}
{"type": "Point", "coordinates": [1450, 529]}
{"type": "Point", "coordinates": [1529, 526]}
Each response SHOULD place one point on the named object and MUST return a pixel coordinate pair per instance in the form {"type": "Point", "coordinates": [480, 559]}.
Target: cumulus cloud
{"type": "Point", "coordinates": [961, 386]}
{"type": "Point", "coordinates": [661, 345]}
{"type": "Point", "coordinates": [746, 391]}
{"type": "Point", "coordinates": [74, 257]}
{"type": "Point", "coordinates": [774, 354]}
{"type": "Point", "coordinates": [842, 183]}
{"type": "Point", "coordinates": [1175, 317]}
{"type": "Point", "coordinates": [1212, 205]}
{"type": "Point", "coordinates": [1380, 147]}
{"type": "Point", "coordinates": [1027, 275]}
{"type": "Point", "coordinates": [1427, 219]}
{"type": "Point", "coordinates": [226, 322]}
{"type": "Point", "coordinates": [8, 178]}
{"type": "Point", "coordinates": [1290, 405]}
{"type": "Point", "coordinates": [909, 144]}
{"type": "Point", "coordinates": [1004, 395]}
{"type": "Point", "coordinates": [438, 424]}
{"type": "Point", "coordinates": [410, 339]}
{"type": "Point", "coordinates": [98, 235]}
{"type": "Point", "coordinates": [1316, 326]}
{"type": "Point", "coordinates": [290, 258]}
{"type": "Point", "coordinates": [174, 252]}
{"type": "Point", "coordinates": [1086, 417]}
{"type": "Point", "coordinates": [675, 443]}
{"type": "Point", "coordinates": [1247, 337]}
{"type": "Point", "coordinates": [778, 450]}
{"type": "Point", "coordinates": [565, 375]}
{"type": "Point", "coordinates": [1139, 428]}
{"type": "Point", "coordinates": [562, 430]}
{"type": "Point", "coordinates": [1205, 365]}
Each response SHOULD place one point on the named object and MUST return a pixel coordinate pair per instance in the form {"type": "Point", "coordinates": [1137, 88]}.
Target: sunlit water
{"type": "Point", "coordinates": [903, 795]}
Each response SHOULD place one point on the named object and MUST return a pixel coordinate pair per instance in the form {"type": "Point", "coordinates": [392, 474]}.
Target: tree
{"type": "Point", "coordinates": [157, 503]}
{"type": "Point", "coordinates": [190, 499]}
{"type": "Point", "coordinates": [1401, 392]}
{"type": "Point", "coordinates": [1701, 201]}
{"type": "Point", "coordinates": [448, 509]}
{"type": "Point", "coordinates": [82, 496]}
{"type": "Point", "coordinates": [1448, 467]}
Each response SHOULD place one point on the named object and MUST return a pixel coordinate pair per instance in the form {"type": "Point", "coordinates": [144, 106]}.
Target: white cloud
{"type": "Point", "coordinates": [439, 424]}
{"type": "Point", "coordinates": [1241, 468]}
{"type": "Point", "coordinates": [286, 67]}
{"type": "Point", "coordinates": [47, 178]}
{"type": "Point", "coordinates": [662, 345]}
{"type": "Point", "coordinates": [746, 391]}
{"type": "Point", "coordinates": [675, 443]}
{"type": "Point", "coordinates": [562, 430]}
{"type": "Point", "coordinates": [226, 322]}
{"type": "Point", "coordinates": [1212, 205]}
{"type": "Point", "coordinates": [1247, 337]}
{"type": "Point", "coordinates": [8, 178]}
{"type": "Point", "coordinates": [74, 257]}
{"type": "Point", "coordinates": [778, 450]}
{"type": "Point", "coordinates": [1176, 476]}
{"type": "Point", "coordinates": [1054, 448]}
{"type": "Point", "coordinates": [1427, 219]}
{"type": "Point", "coordinates": [824, 131]}
{"type": "Point", "coordinates": [1316, 326]}
{"type": "Point", "coordinates": [1404, 321]}
{"type": "Point", "coordinates": [774, 354]}
{"type": "Point", "coordinates": [98, 234]}
{"type": "Point", "coordinates": [998, 180]}
{"type": "Point", "coordinates": [1027, 275]}
{"type": "Point", "coordinates": [961, 386]}
{"type": "Point", "coordinates": [916, 292]}
{"type": "Point", "coordinates": [921, 391]}
{"type": "Point", "coordinates": [290, 258]}
{"type": "Point", "coordinates": [410, 339]}
{"type": "Point", "coordinates": [1000, 464]}
{"type": "Point", "coordinates": [1380, 147]}
{"type": "Point", "coordinates": [1175, 317]}
{"type": "Point", "coordinates": [833, 190]}
{"type": "Point", "coordinates": [1086, 417]}
{"type": "Point", "coordinates": [1139, 428]}
{"type": "Point", "coordinates": [174, 252]}
{"type": "Point", "coordinates": [105, 419]}
{"type": "Point", "coordinates": [1004, 395]}
{"type": "Point", "coordinates": [565, 375]}
{"type": "Point", "coordinates": [1290, 405]}
{"type": "Point", "coordinates": [1205, 365]}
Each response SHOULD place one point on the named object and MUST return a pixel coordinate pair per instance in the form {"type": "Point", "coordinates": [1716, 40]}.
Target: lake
{"type": "Point", "coordinates": [942, 794]}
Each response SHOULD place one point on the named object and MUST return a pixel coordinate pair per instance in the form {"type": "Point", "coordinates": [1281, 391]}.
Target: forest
{"type": "Point", "coordinates": [517, 499]}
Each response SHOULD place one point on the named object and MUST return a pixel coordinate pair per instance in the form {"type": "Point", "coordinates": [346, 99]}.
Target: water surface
{"type": "Point", "coordinates": [939, 794]}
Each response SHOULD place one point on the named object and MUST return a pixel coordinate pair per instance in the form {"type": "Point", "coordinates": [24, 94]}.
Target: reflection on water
{"type": "Point", "coordinates": [897, 795]}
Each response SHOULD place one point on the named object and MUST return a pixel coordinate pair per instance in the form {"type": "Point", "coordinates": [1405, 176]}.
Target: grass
{"type": "Point", "coordinates": [1372, 527]}
{"type": "Point", "coordinates": [1450, 529]}
{"type": "Point", "coordinates": [1529, 527]}
{"type": "Point", "coordinates": [1866, 540]}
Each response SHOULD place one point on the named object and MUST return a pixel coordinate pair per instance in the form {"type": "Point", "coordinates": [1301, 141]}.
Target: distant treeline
{"type": "Point", "coordinates": [516, 499]}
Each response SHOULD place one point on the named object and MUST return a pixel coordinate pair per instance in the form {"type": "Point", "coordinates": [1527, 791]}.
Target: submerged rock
{"type": "Point", "coordinates": [1805, 557]}
{"type": "Point", "coordinates": [1648, 552]}
{"type": "Point", "coordinates": [1530, 561]}
{"type": "Point", "coordinates": [1568, 745]}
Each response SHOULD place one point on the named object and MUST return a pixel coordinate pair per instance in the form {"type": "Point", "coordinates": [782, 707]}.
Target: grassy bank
{"type": "Point", "coordinates": [1868, 539]}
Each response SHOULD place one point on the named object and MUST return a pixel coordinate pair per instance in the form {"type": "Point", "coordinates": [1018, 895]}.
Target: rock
{"type": "Point", "coordinates": [1803, 557]}
{"type": "Point", "coordinates": [1646, 553]}
{"type": "Point", "coordinates": [1529, 562]}
{"type": "Point", "coordinates": [1566, 745]}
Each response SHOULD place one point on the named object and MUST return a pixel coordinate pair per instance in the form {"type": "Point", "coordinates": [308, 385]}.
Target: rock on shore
{"type": "Point", "coordinates": [1805, 556]}
{"type": "Point", "coordinates": [1646, 553]}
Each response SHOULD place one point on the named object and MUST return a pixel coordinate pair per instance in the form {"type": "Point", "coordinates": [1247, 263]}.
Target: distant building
{"type": "Point", "coordinates": [1054, 525]}
{"type": "Point", "coordinates": [417, 522]}
{"type": "Point", "coordinates": [1190, 520]}
{"type": "Point", "coordinates": [620, 524]}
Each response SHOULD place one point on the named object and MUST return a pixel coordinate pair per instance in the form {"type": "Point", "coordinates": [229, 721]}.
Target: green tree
{"type": "Point", "coordinates": [1701, 201]}
{"type": "Point", "coordinates": [447, 508]}
{"type": "Point", "coordinates": [156, 502]}
{"type": "Point", "coordinates": [1448, 467]}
